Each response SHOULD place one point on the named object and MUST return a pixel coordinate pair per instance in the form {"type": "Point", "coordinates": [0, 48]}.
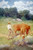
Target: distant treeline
{"type": "Point", "coordinates": [12, 12]}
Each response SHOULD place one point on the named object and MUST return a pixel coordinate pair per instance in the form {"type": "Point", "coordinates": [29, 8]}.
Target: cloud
{"type": "Point", "coordinates": [30, 8]}
{"type": "Point", "coordinates": [23, 5]}
{"type": "Point", "coordinates": [19, 5]}
{"type": "Point", "coordinates": [4, 4]}
{"type": "Point", "coordinates": [29, 2]}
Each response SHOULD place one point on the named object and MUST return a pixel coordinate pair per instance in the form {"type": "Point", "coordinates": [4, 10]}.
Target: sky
{"type": "Point", "coordinates": [19, 4]}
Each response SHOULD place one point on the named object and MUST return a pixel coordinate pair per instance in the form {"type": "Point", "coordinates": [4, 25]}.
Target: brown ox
{"type": "Point", "coordinates": [22, 28]}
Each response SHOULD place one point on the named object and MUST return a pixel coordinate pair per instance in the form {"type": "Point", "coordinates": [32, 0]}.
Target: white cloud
{"type": "Point", "coordinates": [30, 8]}
{"type": "Point", "coordinates": [3, 2]}
{"type": "Point", "coordinates": [29, 2]}
{"type": "Point", "coordinates": [18, 4]}
{"type": "Point", "coordinates": [8, 6]}
{"type": "Point", "coordinates": [23, 5]}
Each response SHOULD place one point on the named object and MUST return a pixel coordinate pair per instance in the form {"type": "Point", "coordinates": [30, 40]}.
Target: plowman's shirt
{"type": "Point", "coordinates": [9, 26]}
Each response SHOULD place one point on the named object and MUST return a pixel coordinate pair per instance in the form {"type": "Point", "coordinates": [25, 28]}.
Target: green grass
{"type": "Point", "coordinates": [4, 30]}
{"type": "Point", "coordinates": [3, 41]}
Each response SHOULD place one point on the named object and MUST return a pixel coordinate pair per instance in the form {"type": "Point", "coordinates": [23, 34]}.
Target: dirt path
{"type": "Point", "coordinates": [3, 35]}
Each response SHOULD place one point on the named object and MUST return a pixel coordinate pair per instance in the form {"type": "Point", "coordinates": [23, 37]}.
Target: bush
{"type": "Point", "coordinates": [23, 18]}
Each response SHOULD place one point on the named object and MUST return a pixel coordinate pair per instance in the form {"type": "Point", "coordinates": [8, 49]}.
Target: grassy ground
{"type": "Point", "coordinates": [4, 30]}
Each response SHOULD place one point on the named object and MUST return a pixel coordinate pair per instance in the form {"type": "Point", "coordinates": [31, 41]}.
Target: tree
{"type": "Point", "coordinates": [1, 11]}
{"type": "Point", "coordinates": [25, 14]}
{"type": "Point", "coordinates": [31, 17]}
{"type": "Point", "coordinates": [6, 12]}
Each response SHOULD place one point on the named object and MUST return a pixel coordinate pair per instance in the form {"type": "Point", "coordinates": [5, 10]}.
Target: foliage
{"type": "Point", "coordinates": [23, 18]}
{"type": "Point", "coordinates": [26, 14]}
{"type": "Point", "coordinates": [12, 12]}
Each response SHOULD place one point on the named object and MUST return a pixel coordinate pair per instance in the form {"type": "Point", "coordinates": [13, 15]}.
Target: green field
{"type": "Point", "coordinates": [3, 28]}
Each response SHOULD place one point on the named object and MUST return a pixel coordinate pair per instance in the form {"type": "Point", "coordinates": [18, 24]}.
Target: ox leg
{"type": "Point", "coordinates": [22, 32]}
{"type": "Point", "coordinates": [15, 32]}
{"type": "Point", "coordinates": [27, 31]}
